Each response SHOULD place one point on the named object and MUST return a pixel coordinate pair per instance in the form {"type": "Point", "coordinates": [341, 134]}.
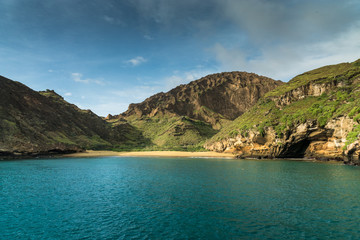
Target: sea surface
{"type": "Point", "coordinates": [177, 198]}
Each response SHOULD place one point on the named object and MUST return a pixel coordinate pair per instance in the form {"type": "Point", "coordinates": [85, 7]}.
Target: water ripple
{"type": "Point", "coordinates": [164, 198]}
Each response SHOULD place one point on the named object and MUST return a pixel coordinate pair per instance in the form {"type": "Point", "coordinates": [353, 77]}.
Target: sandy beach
{"type": "Point", "coordinates": [91, 153]}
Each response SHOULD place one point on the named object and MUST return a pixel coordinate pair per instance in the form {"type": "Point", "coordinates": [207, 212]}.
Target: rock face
{"type": "Point", "coordinates": [315, 115]}
{"type": "Point", "coordinates": [310, 89]}
{"type": "Point", "coordinates": [305, 140]}
{"type": "Point", "coordinates": [184, 117]}
{"type": "Point", "coordinates": [209, 99]}
{"type": "Point", "coordinates": [35, 123]}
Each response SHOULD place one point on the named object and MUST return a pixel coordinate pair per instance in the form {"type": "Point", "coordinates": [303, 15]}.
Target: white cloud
{"type": "Point", "coordinates": [184, 77]}
{"type": "Point", "coordinates": [284, 61]}
{"type": "Point", "coordinates": [68, 94]}
{"type": "Point", "coordinates": [296, 21]}
{"type": "Point", "coordinates": [136, 61]}
{"type": "Point", "coordinates": [78, 77]}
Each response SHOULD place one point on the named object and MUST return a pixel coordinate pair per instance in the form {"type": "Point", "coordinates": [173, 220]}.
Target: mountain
{"type": "Point", "coordinates": [209, 99]}
{"type": "Point", "coordinates": [184, 117]}
{"type": "Point", "coordinates": [314, 115]}
{"type": "Point", "coordinates": [35, 123]}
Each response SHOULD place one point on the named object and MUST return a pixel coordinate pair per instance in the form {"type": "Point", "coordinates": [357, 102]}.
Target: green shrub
{"type": "Point", "coordinates": [261, 130]}
{"type": "Point", "coordinates": [357, 63]}
{"type": "Point", "coordinates": [354, 111]}
{"type": "Point", "coordinates": [357, 117]}
{"type": "Point", "coordinates": [234, 133]}
{"type": "Point", "coordinates": [342, 96]}
{"type": "Point", "coordinates": [353, 135]}
{"type": "Point", "coordinates": [322, 121]}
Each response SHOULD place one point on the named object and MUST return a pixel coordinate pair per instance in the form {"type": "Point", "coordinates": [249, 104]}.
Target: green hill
{"type": "Point", "coordinates": [35, 123]}
{"type": "Point", "coordinates": [322, 102]}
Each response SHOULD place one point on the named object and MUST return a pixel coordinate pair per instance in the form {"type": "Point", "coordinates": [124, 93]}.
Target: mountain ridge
{"type": "Point", "coordinates": [314, 115]}
{"type": "Point", "coordinates": [206, 92]}
{"type": "Point", "coordinates": [184, 117]}
{"type": "Point", "coordinates": [36, 123]}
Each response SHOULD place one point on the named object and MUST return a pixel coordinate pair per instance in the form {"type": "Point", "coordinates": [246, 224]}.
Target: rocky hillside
{"type": "Point", "coordinates": [33, 123]}
{"type": "Point", "coordinates": [209, 99]}
{"type": "Point", "coordinates": [315, 115]}
{"type": "Point", "coordinates": [189, 114]}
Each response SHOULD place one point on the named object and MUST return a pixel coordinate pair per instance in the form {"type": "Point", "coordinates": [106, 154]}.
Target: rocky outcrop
{"type": "Point", "coordinates": [310, 89]}
{"type": "Point", "coordinates": [304, 140]}
{"type": "Point", "coordinates": [209, 99]}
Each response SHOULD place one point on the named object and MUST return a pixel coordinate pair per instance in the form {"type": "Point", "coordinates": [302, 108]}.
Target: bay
{"type": "Point", "coordinates": [177, 198]}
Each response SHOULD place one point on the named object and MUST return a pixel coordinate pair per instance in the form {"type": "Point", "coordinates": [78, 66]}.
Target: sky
{"type": "Point", "coordinates": [103, 55]}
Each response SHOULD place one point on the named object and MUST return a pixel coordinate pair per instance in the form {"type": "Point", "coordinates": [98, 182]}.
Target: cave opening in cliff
{"type": "Point", "coordinates": [296, 150]}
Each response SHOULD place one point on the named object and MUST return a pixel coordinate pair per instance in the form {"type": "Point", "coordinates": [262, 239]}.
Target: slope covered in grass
{"type": "Point", "coordinates": [338, 94]}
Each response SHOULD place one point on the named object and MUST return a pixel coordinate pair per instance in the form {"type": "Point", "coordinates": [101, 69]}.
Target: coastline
{"type": "Point", "coordinates": [92, 153]}
{"type": "Point", "coordinates": [184, 154]}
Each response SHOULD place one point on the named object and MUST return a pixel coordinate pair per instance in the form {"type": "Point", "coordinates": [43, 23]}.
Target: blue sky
{"type": "Point", "coordinates": [105, 54]}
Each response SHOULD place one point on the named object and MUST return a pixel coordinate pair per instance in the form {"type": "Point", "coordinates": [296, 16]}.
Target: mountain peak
{"type": "Point", "coordinates": [214, 97]}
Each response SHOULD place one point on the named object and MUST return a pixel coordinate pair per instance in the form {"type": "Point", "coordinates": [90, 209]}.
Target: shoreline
{"type": "Point", "coordinates": [103, 153]}
{"type": "Point", "coordinates": [92, 153]}
{"type": "Point", "coordinates": [183, 154]}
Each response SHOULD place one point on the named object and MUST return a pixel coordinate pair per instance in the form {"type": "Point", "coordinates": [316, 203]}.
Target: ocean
{"type": "Point", "coordinates": [178, 198]}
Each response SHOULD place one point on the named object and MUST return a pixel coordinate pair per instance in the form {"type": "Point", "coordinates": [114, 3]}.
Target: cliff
{"type": "Point", "coordinates": [35, 123]}
{"type": "Point", "coordinates": [209, 99]}
{"type": "Point", "coordinates": [184, 117]}
{"type": "Point", "coordinates": [314, 115]}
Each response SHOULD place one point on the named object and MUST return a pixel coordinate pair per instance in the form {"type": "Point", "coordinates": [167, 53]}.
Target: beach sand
{"type": "Point", "coordinates": [91, 153]}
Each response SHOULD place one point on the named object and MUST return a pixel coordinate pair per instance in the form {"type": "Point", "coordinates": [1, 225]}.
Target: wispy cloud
{"type": "Point", "coordinates": [278, 38]}
{"type": "Point", "coordinates": [295, 21]}
{"type": "Point", "coordinates": [68, 94]}
{"type": "Point", "coordinates": [114, 21]}
{"type": "Point", "coordinates": [138, 94]}
{"type": "Point", "coordinates": [78, 77]}
{"type": "Point", "coordinates": [136, 61]}
{"type": "Point", "coordinates": [184, 77]}
{"type": "Point", "coordinates": [148, 37]}
{"type": "Point", "coordinates": [287, 60]}
{"type": "Point", "coordinates": [285, 38]}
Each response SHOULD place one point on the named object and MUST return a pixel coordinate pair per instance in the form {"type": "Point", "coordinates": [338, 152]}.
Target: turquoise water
{"type": "Point", "coordinates": [177, 198]}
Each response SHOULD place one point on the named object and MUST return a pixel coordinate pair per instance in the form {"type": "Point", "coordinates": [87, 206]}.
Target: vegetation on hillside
{"type": "Point", "coordinates": [338, 102]}
{"type": "Point", "coordinates": [340, 72]}
{"type": "Point", "coordinates": [173, 133]}
{"type": "Point", "coordinates": [185, 117]}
